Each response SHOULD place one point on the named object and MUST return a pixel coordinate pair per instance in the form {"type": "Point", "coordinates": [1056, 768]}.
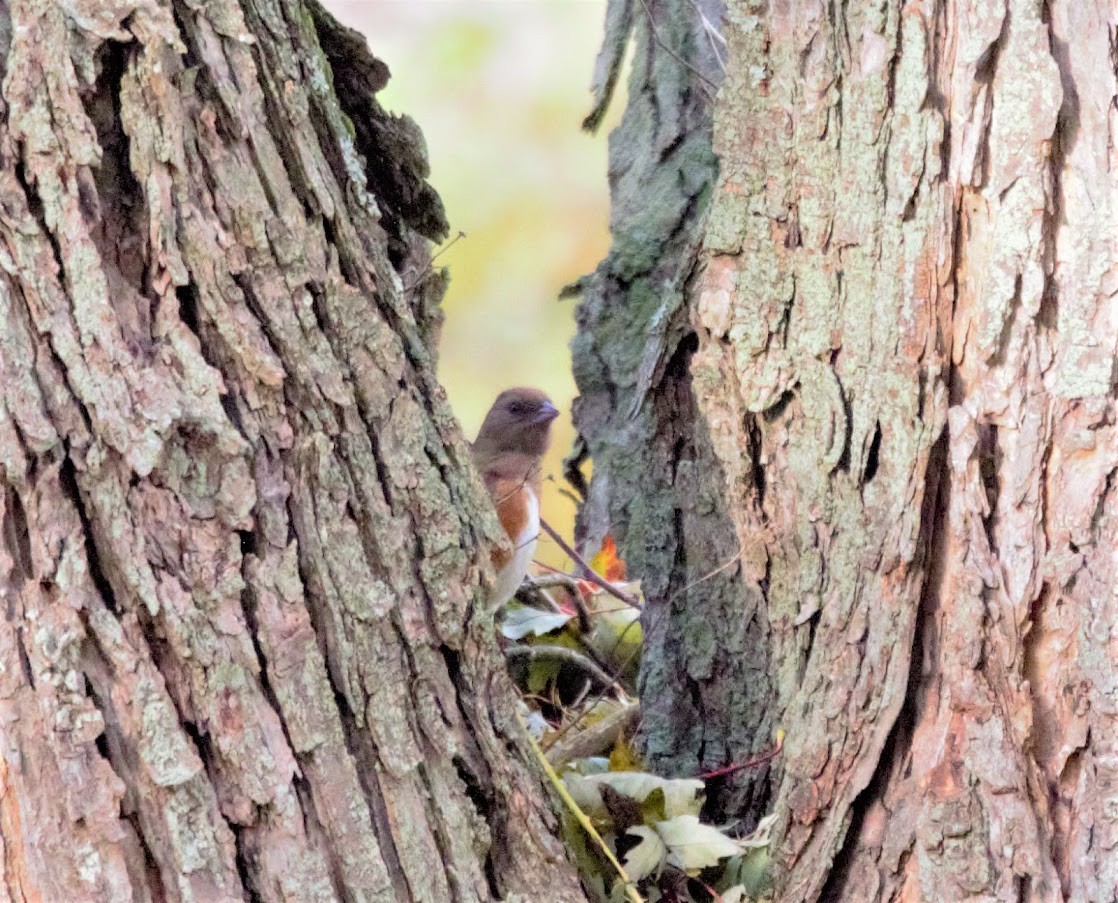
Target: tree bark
{"type": "Point", "coordinates": [244, 653]}
{"type": "Point", "coordinates": [704, 683]}
{"type": "Point", "coordinates": [906, 341]}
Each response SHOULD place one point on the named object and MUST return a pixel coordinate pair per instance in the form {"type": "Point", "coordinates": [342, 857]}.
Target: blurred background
{"type": "Point", "coordinates": [500, 88]}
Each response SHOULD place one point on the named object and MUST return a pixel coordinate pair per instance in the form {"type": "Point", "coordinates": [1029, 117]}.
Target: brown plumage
{"type": "Point", "coordinates": [508, 452]}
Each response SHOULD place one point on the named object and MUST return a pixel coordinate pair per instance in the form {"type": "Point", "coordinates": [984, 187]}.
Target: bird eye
{"type": "Point", "coordinates": [517, 409]}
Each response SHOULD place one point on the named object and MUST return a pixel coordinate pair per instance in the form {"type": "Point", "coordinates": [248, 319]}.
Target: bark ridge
{"type": "Point", "coordinates": [242, 654]}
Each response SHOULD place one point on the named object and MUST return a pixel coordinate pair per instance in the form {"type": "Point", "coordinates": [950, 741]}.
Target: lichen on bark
{"type": "Point", "coordinates": [905, 373]}
{"type": "Point", "coordinates": [244, 653]}
{"type": "Point", "coordinates": [704, 683]}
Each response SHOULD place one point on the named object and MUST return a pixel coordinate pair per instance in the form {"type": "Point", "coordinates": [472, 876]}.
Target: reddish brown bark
{"type": "Point", "coordinates": [906, 329]}
{"type": "Point", "coordinates": [244, 652]}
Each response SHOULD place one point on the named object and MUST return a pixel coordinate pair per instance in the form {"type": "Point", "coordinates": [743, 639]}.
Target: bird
{"type": "Point", "coordinates": [508, 453]}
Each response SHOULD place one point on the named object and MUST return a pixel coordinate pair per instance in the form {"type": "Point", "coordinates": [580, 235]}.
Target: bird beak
{"type": "Point", "coordinates": [546, 414]}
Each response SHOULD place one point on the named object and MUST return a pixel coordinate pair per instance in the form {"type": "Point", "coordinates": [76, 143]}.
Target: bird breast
{"type": "Point", "coordinates": [519, 514]}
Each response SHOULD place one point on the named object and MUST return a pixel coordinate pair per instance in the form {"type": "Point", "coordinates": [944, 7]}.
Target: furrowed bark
{"type": "Point", "coordinates": [908, 295]}
{"type": "Point", "coordinates": [704, 685]}
{"type": "Point", "coordinates": [244, 653]}
{"type": "Point", "coordinates": [905, 368]}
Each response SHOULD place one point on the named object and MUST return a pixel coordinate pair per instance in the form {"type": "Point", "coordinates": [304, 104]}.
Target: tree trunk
{"type": "Point", "coordinates": [906, 337]}
{"type": "Point", "coordinates": [705, 689]}
{"type": "Point", "coordinates": [244, 652]}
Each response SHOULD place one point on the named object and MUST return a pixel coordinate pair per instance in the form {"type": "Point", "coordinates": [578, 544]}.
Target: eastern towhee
{"type": "Point", "coordinates": [508, 452]}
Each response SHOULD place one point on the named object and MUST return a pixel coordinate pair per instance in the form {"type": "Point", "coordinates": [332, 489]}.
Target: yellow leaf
{"type": "Point", "coordinates": [623, 757]}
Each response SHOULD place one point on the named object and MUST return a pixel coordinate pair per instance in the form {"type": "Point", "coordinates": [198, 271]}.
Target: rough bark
{"type": "Point", "coordinates": [704, 685]}
{"type": "Point", "coordinates": [907, 333]}
{"type": "Point", "coordinates": [243, 653]}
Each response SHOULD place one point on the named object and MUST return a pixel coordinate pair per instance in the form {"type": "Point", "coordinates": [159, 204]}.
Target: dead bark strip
{"type": "Point", "coordinates": [242, 656]}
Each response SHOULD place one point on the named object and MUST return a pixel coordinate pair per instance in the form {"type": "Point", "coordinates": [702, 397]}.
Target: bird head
{"type": "Point", "coordinates": [519, 423]}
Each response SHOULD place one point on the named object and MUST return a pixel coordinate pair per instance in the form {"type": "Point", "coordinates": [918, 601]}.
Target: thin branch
{"type": "Point", "coordinates": [554, 579]}
{"type": "Point", "coordinates": [751, 763]}
{"type": "Point", "coordinates": [617, 671]}
{"type": "Point", "coordinates": [542, 585]}
{"type": "Point", "coordinates": [615, 685]}
{"type": "Point", "coordinates": [566, 493]}
{"type": "Point", "coordinates": [707, 576]}
{"type": "Point", "coordinates": [583, 693]}
{"type": "Point", "coordinates": [450, 244]}
{"type": "Point", "coordinates": [564, 656]}
{"type": "Point", "coordinates": [597, 739]}
{"type": "Point", "coordinates": [528, 474]}
{"type": "Point", "coordinates": [530, 593]}
{"type": "Point", "coordinates": [588, 572]}
{"type": "Point", "coordinates": [429, 269]}
{"type": "Point", "coordinates": [561, 789]}
{"type": "Point", "coordinates": [713, 35]}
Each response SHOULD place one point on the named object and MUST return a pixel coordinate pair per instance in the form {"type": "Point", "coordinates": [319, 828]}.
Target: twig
{"type": "Point", "coordinates": [756, 760]}
{"type": "Point", "coordinates": [529, 591]}
{"type": "Point", "coordinates": [563, 731]}
{"type": "Point", "coordinates": [707, 576]}
{"type": "Point", "coordinates": [583, 693]}
{"type": "Point", "coordinates": [439, 253]}
{"type": "Point", "coordinates": [564, 656]}
{"type": "Point", "coordinates": [570, 584]}
{"type": "Point", "coordinates": [713, 35]}
{"type": "Point", "coordinates": [580, 816]}
{"type": "Point", "coordinates": [617, 671]}
{"type": "Point", "coordinates": [566, 493]}
{"type": "Point", "coordinates": [429, 268]}
{"type": "Point", "coordinates": [556, 572]}
{"type": "Point", "coordinates": [555, 578]}
{"type": "Point", "coordinates": [597, 738]}
{"type": "Point", "coordinates": [588, 572]}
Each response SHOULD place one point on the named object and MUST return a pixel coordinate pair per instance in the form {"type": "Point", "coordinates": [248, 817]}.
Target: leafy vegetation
{"type": "Point", "coordinates": [573, 645]}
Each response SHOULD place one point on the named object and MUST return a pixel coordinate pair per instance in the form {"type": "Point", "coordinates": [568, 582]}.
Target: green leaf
{"type": "Point", "coordinates": [752, 870]}
{"type": "Point", "coordinates": [521, 620]}
{"type": "Point", "coordinates": [616, 637]}
{"type": "Point", "coordinates": [593, 868]}
{"type": "Point", "coordinates": [648, 856]}
{"type": "Point", "coordinates": [623, 757]}
{"type": "Point", "coordinates": [693, 845]}
{"type": "Point", "coordinates": [620, 893]}
{"type": "Point", "coordinates": [597, 886]}
{"type": "Point", "coordinates": [655, 806]}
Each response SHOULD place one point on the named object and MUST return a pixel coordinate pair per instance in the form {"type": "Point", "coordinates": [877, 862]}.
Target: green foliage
{"type": "Point", "coordinates": [653, 826]}
{"type": "Point", "coordinates": [616, 639]}
{"type": "Point", "coordinates": [635, 836]}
